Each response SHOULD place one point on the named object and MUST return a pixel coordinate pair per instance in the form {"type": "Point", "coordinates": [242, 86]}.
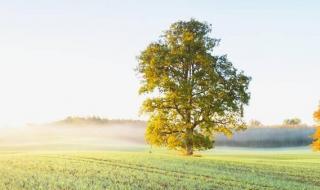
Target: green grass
{"type": "Point", "coordinates": [159, 170]}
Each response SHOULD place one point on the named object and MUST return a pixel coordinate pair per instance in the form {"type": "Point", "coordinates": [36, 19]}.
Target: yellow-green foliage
{"type": "Point", "coordinates": [194, 93]}
{"type": "Point", "coordinates": [316, 136]}
{"type": "Point", "coordinates": [125, 170]}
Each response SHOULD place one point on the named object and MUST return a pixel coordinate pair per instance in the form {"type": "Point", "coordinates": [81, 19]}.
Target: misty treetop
{"type": "Point", "coordinates": [192, 92]}
{"type": "Point", "coordinates": [292, 122]}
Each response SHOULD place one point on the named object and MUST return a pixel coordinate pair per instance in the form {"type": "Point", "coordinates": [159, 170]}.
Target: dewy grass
{"type": "Point", "coordinates": [158, 170]}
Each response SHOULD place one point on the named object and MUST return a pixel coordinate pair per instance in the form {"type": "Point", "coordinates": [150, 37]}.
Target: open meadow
{"type": "Point", "coordinates": [139, 169]}
{"type": "Point", "coordinates": [115, 156]}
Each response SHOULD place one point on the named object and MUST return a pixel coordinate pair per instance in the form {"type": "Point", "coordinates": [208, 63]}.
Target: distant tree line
{"type": "Point", "coordinates": [96, 121]}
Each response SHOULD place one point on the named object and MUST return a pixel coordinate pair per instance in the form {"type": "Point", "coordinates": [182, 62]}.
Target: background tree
{"type": "Point", "coordinates": [316, 136]}
{"type": "Point", "coordinates": [292, 122]}
{"type": "Point", "coordinates": [193, 93]}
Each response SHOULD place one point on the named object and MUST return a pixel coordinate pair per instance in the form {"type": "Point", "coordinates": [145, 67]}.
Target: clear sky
{"type": "Point", "coordinates": [61, 58]}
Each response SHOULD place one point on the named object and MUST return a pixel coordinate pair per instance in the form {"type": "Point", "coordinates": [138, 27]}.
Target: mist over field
{"type": "Point", "coordinates": [70, 137]}
{"type": "Point", "coordinates": [102, 134]}
{"type": "Point", "coordinates": [269, 137]}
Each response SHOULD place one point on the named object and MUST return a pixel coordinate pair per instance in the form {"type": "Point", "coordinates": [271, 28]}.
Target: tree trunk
{"type": "Point", "coordinates": [189, 142]}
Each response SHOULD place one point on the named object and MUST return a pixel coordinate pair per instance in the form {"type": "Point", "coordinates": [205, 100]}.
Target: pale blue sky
{"type": "Point", "coordinates": [60, 58]}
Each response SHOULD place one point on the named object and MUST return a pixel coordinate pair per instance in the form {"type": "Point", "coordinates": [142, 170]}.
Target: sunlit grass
{"type": "Point", "coordinates": [158, 170]}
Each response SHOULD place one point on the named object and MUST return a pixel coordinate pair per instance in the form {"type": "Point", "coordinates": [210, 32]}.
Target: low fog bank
{"type": "Point", "coordinates": [125, 134]}
{"type": "Point", "coordinates": [71, 137]}
{"type": "Point", "coordinates": [269, 138]}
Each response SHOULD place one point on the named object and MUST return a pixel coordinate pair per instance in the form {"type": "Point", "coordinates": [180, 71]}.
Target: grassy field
{"type": "Point", "coordinates": [159, 170]}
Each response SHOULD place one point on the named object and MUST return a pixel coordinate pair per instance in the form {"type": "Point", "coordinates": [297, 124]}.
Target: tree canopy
{"type": "Point", "coordinates": [192, 93]}
{"type": "Point", "coordinates": [316, 136]}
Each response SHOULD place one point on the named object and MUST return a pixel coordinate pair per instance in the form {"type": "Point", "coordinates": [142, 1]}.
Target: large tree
{"type": "Point", "coordinates": [316, 136]}
{"type": "Point", "coordinates": [193, 94]}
